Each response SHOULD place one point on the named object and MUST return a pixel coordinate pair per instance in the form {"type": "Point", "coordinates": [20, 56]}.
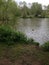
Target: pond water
{"type": "Point", "coordinates": [37, 28]}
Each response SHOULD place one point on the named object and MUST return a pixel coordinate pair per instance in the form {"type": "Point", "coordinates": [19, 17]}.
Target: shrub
{"type": "Point", "coordinates": [5, 34]}
{"type": "Point", "coordinates": [46, 46]}
{"type": "Point", "coordinates": [30, 41]}
{"type": "Point", "coordinates": [19, 37]}
{"type": "Point", "coordinates": [36, 43]}
{"type": "Point", "coordinates": [9, 36]}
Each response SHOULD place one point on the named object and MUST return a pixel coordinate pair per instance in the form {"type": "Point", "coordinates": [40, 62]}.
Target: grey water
{"type": "Point", "coordinates": [36, 28]}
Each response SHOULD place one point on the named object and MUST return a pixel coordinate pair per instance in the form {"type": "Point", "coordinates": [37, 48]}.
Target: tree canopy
{"type": "Point", "coordinates": [9, 10]}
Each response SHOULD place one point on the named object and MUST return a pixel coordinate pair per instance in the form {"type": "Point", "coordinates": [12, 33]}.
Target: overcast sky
{"type": "Point", "coordinates": [43, 2]}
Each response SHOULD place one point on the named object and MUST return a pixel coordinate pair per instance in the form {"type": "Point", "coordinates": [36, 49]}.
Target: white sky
{"type": "Point", "coordinates": [43, 2]}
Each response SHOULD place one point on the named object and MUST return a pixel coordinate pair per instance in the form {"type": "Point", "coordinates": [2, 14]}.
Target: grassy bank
{"type": "Point", "coordinates": [17, 49]}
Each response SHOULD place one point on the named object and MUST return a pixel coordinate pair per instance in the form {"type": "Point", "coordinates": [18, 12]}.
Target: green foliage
{"type": "Point", "coordinates": [8, 10]}
{"type": "Point", "coordinates": [47, 11]}
{"type": "Point", "coordinates": [36, 9]}
{"type": "Point", "coordinates": [19, 37]}
{"type": "Point", "coordinates": [36, 43]}
{"type": "Point", "coordinates": [46, 46]}
{"type": "Point", "coordinates": [31, 41]}
{"type": "Point", "coordinates": [43, 14]}
{"type": "Point", "coordinates": [7, 35]}
{"type": "Point", "coordinates": [25, 10]}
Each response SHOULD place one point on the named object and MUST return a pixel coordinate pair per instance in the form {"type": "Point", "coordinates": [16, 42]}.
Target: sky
{"type": "Point", "coordinates": [43, 2]}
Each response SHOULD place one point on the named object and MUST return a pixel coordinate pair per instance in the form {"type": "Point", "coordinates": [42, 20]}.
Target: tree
{"type": "Point", "coordinates": [47, 11]}
{"type": "Point", "coordinates": [25, 10]}
{"type": "Point", "coordinates": [36, 9]}
{"type": "Point", "coordinates": [8, 10]}
{"type": "Point", "coordinates": [2, 9]}
{"type": "Point", "coordinates": [11, 10]}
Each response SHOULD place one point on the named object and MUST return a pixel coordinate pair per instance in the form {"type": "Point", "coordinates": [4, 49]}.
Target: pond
{"type": "Point", "coordinates": [36, 28]}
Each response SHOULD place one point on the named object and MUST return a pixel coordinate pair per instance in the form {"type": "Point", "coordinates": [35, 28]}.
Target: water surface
{"type": "Point", "coordinates": [37, 28]}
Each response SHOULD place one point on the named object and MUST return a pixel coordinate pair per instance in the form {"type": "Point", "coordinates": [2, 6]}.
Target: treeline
{"type": "Point", "coordinates": [9, 10]}
{"type": "Point", "coordinates": [33, 10]}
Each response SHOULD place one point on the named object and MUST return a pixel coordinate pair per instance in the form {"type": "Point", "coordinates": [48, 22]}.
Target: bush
{"type": "Point", "coordinates": [36, 43]}
{"type": "Point", "coordinates": [10, 36]}
{"type": "Point", "coordinates": [19, 37]}
{"type": "Point", "coordinates": [30, 41]}
{"type": "Point", "coordinates": [46, 46]}
{"type": "Point", "coordinates": [7, 35]}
